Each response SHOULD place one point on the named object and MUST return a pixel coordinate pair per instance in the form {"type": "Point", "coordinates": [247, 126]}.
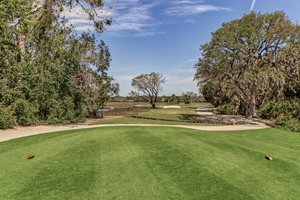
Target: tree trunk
{"type": "Point", "coordinates": [152, 105]}
{"type": "Point", "coordinates": [253, 106]}
{"type": "Point", "coordinates": [21, 42]}
{"type": "Point", "coordinates": [253, 103]}
{"type": "Point", "coordinates": [153, 101]}
{"type": "Point", "coordinates": [248, 110]}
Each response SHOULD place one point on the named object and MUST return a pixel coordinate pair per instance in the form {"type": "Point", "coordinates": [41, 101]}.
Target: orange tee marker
{"type": "Point", "coordinates": [30, 156]}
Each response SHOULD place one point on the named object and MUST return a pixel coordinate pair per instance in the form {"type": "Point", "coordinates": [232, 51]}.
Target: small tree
{"type": "Point", "coordinates": [150, 85]}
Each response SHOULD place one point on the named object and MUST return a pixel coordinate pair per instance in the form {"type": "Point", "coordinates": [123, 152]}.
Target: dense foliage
{"type": "Point", "coordinates": [251, 61]}
{"type": "Point", "coordinates": [226, 109]}
{"type": "Point", "coordinates": [285, 112]}
{"type": "Point", "coordinates": [287, 108]}
{"type": "Point", "coordinates": [48, 72]}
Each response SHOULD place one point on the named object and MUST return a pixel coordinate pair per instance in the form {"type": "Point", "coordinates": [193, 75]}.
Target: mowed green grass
{"type": "Point", "coordinates": [151, 163]}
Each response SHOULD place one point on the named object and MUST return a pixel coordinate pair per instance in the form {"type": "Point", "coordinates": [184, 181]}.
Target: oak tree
{"type": "Point", "coordinates": [150, 85]}
{"type": "Point", "coordinates": [249, 61]}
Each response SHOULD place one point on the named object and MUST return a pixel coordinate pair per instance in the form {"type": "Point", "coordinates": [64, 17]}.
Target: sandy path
{"type": "Point", "coordinates": [35, 130]}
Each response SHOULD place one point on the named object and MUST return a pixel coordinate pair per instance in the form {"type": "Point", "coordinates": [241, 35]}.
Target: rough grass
{"type": "Point", "coordinates": [185, 113]}
{"type": "Point", "coordinates": [126, 104]}
{"type": "Point", "coordinates": [151, 163]}
{"type": "Point", "coordinates": [131, 120]}
{"type": "Point", "coordinates": [159, 105]}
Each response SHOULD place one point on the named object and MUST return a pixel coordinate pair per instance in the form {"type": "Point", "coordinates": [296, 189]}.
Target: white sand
{"type": "Point", "coordinates": [19, 132]}
{"type": "Point", "coordinates": [204, 113]}
{"type": "Point", "coordinates": [172, 107]}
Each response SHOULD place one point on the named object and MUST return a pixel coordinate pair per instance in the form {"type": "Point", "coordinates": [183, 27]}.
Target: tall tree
{"type": "Point", "coordinates": [48, 72]}
{"type": "Point", "coordinates": [150, 85]}
{"type": "Point", "coordinates": [246, 60]}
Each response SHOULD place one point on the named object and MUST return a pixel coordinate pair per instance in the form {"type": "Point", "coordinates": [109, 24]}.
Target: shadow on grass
{"type": "Point", "coordinates": [189, 117]}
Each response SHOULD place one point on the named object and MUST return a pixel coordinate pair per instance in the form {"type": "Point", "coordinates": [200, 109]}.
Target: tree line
{"type": "Point", "coordinates": [49, 73]}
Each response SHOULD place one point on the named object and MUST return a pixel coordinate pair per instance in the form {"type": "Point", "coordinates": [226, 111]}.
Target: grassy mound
{"type": "Point", "coordinates": [151, 163]}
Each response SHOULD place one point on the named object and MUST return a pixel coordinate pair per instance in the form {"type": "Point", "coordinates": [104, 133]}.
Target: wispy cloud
{"type": "Point", "coordinates": [190, 21]}
{"type": "Point", "coordinates": [124, 78]}
{"type": "Point", "coordinates": [123, 70]}
{"type": "Point", "coordinates": [183, 70]}
{"type": "Point", "coordinates": [179, 84]}
{"type": "Point", "coordinates": [134, 18]}
{"type": "Point", "coordinates": [80, 19]}
{"type": "Point", "coordinates": [139, 17]}
{"type": "Point", "coordinates": [190, 7]}
{"type": "Point", "coordinates": [192, 60]}
{"type": "Point", "coordinates": [187, 1]}
{"type": "Point", "coordinates": [187, 81]}
{"type": "Point", "coordinates": [181, 77]}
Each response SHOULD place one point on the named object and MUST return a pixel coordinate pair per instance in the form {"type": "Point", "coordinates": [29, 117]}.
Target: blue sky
{"type": "Point", "coordinates": [165, 35]}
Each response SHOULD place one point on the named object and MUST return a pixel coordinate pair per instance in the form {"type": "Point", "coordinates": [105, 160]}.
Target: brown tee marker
{"type": "Point", "coordinates": [30, 156]}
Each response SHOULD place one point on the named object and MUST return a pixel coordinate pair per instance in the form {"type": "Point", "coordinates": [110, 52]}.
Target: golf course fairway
{"type": "Point", "coordinates": [151, 163]}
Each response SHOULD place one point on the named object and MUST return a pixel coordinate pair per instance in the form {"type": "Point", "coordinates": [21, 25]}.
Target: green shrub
{"type": "Point", "coordinates": [286, 113]}
{"type": "Point", "coordinates": [25, 112]}
{"type": "Point", "coordinates": [286, 108]}
{"type": "Point", "coordinates": [286, 123]}
{"type": "Point", "coordinates": [7, 120]}
{"type": "Point", "coordinates": [69, 112]}
{"type": "Point", "coordinates": [226, 109]}
{"type": "Point", "coordinates": [267, 110]}
{"type": "Point", "coordinates": [54, 111]}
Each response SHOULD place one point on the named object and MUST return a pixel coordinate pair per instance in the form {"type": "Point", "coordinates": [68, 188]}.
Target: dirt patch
{"type": "Point", "coordinates": [208, 116]}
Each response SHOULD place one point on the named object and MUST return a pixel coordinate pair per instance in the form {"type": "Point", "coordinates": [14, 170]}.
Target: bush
{"type": "Point", "coordinates": [291, 124]}
{"type": "Point", "coordinates": [286, 108]}
{"type": "Point", "coordinates": [70, 114]}
{"type": "Point", "coordinates": [53, 111]}
{"type": "Point", "coordinates": [25, 112]}
{"type": "Point", "coordinates": [286, 113]}
{"type": "Point", "coordinates": [7, 120]}
{"type": "Point", "coordinates": [226, 109]}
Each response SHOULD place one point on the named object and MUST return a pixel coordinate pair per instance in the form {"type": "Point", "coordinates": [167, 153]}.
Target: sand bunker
{"type": "Point", "coordinates": [172, 107]}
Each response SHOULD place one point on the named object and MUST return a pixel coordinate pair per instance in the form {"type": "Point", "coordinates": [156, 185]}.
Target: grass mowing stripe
{"type": "Point", "coordinates": [244, 157]}
{"type": "Point", "coordinates": [125, 175]}
{"type": "Point", "coordinates": [78, 175]}
{"type": "Point", "coordinates": [49, 168]}
{"type": "Point", "coordinates": [286, 153]}
{"type": "Point", "coordinates": [190, 177]}
{"type": "Point", "coordinates": [151, 163]}
{"type": "Point", "coordinates": [29, 140]}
